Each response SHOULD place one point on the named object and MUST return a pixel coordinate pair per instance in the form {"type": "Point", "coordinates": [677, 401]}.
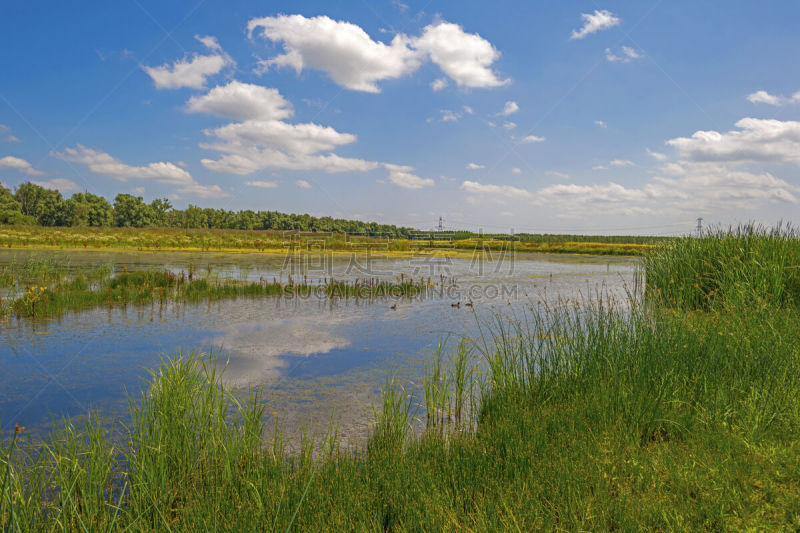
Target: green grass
{"type": "Point", "coordinates": [671, 415]}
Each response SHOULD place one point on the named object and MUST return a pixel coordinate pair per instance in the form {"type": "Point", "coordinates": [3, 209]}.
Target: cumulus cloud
{"type": "Point", "coordinates": [516, 170]}
{"type": "Point", "coordinates": [12, 138]}
{"type": "Point", "coordinates": [509, 125]}
{"type": "Point", "coordinates": [352, 59]}
{"type": "Point", "coordinates": [341, 49]}
{"type": "Point", "coordinates": [191, 72]}
{"type": "Point", "coordinates": [474, 166]}
{"type": "Point", "coordinates": [759, 140]}
{"type": "Point", "coordinates": [19, 164]}
{"type": "Point", "coordinates": [242, 101]}
{"type": "Point", "coordinates": [600, 124]}
{"type": "Point", "coordinates": [593, 22]}
{"type": "Point", "coordinates": [763, 97]}
{"type": "Point", "coordinates": [162, 172]}
{"type": "Point", "coordinates": [106, 165]}
{"type": "Point", "coordinates": [465, 57]}
{"type": "Point", "coordinates": [262, 184]}
{"type": "Point", "coordinates": [402, 177]}
{"type": "Point", "coordinates": [303, 184]}
{"type": "Point", "coordinates": [510, 108]}
{"type": "Point", "coordinates": [700, 188]}
{"type": "Point", "coordinates": [657, 155]}
{"type": "Point", "coordinates": [61, 185]}
{"type": "Point", "coordinates": [627, 55]}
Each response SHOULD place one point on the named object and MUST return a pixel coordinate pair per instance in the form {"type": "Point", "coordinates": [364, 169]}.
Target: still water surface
{"type": "Point", "coordinates": [316, 359]}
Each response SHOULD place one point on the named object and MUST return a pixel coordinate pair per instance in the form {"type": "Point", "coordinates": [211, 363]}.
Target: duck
{"type": "Point", "coordinates": [457, 304]}
{"type": "Point", "coordinates": [469, 303]}
{"type": "Point", "coordinates": [393, 307]}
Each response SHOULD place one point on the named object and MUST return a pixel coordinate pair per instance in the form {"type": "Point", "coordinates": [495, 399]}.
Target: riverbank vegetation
{"type": "Point", "coordinates": [32, 213]}
{"type": "Point", "coordinates": [677, 412]}
{"type": "Point", "coordinates": [44, 288]}
{"type": "Point", "coordinates": [256, 241]}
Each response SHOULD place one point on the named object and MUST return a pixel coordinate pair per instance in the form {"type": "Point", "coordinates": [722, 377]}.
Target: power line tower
{"type": "Point", "coordinates": [699, 226]}
{"type": "Point", "coordinates": [440, 227]}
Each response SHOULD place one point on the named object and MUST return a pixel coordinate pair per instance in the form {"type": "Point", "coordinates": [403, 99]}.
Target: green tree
{"type": "Point", "coordinates": [159, 209]}
{"type": "Point", "coordinates": [87, 209]}
{"type": "Point", "coordinates": [131, 211]}
{"type": "Point", "coordinates": [11, 210]}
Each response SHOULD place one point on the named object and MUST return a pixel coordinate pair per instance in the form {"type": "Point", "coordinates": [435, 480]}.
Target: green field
{"type": "Point", "coordinates": [675, 412]}
{"type": "Point", "coordinates": [232, 240]}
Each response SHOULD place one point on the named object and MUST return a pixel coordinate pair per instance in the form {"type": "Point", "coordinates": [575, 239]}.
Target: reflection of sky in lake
{"type": "Point", "coordinates": [315, 358]}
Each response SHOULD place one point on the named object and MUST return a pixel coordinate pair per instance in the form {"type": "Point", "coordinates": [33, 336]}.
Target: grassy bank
{"type": "Point", "coordinates": [43, 288]}
{"type": "Point", "coordinates": [268, 240]}
{"type": "Point", "coordinates": [679, 413]}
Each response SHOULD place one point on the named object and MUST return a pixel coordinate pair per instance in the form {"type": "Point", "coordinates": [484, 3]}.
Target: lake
{"type": "Point", "coordinates": [316, 359]}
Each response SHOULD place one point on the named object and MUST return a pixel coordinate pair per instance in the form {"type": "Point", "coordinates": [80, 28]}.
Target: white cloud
{"type": "Point", "coordinates": [465, 57]}
{"type": "Point", "coordinates": [600, 124]}
{"type": "Point", "coordinates": [402, 177]}
{"type": "Point", "coordinates": [449, 115]}
{"type": "Point", "coordinates": [61, 185]}
{"type": "Point", "coordinates": [533, 139]}
{"type": "Point", "coordinates": [204, 191]}
{"type": "Point", "coordinates": [700, 188]}
{"type": "Point", "coordinates": [594, 22]}
{"type": "Point", "coordinates": [138, 190]}
{"type": "Point", "coordinates": [191, 72]}
{"type": "Point", "coordinates": [343, 50]}
{"type": "Point", "coordinates": [468, 110]}
{"type": "Point", "coordinates": [162, 172]}
{"type": "Point", "coordinates": [516, 171]}
{"type": "Point", "coordinates": [262, 184]}
{"type": "Point", "coordinates": [303, 184]}
{"type": "Point", "coordinates": [559, 175]}
{"type": "Point", "coordinates": [474, 166]}
{"type": "Point", "coordinates": [509, 125]}
{"type": "Point", "coordinates": [12, 138]}
{"type": "Point", "coordinates": [760, 140]}
{"type": "Point", "coordinates": [4, 128]}
{"type": "Point", "coordinates": [262, 140]}
{"type": "Point", "coordinates": [355, 61]}
{"type": "Point", "coordinates": [439, 84]}
{"type": "Point", "coordinates": [657, 155]}
{"type": "Point", "coordinates": [509, 191]}
{"type": "Point", "coordinates": [763, 97]}
{"type": "Point", "coordinates": [621, 163]}
{"type": "Point", "coordinates": [628, 54]}
{"type": "Point", "coordinates": [614, 163]}
{"type": "Point", "coordinates": [106, 165]}
{"type": "Point", "coordinates": [242, 101]}
{"type": "Point", "coordinates": [19, 164]}
{"type": "Point", "coordinates": [509, 109]}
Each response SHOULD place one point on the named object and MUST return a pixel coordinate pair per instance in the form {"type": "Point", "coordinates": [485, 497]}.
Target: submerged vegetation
{"type": "Point", "coordinates": [43, 288]}
{"type": "Point", "coordinates": [678, 412]}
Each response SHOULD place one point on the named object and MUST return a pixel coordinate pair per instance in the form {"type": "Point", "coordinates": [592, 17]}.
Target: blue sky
{"type": "Point", "coordinates": [613, 117]}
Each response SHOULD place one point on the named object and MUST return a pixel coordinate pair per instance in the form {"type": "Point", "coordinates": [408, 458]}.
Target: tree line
{"type": "Point", "coordinates": [33, 204]}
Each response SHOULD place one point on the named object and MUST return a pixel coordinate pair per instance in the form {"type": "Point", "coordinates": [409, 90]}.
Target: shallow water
{"type": "Point", "coordinates": [316, 359]}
